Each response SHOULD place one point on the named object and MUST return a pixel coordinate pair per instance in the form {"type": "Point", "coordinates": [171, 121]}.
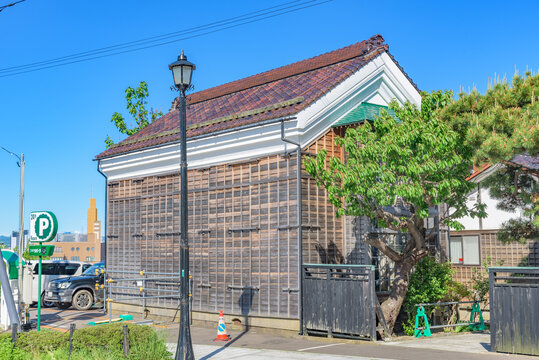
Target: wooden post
{"type": "Point", "coordinates": [71, 331]}
{"type": "Point", "coordinates": [126, 341]}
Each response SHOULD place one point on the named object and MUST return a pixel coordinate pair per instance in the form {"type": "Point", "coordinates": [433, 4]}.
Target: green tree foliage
{"type": "Point", "coordinates": [136, 106]}
{"type": "Point", "coordinates": [394, 172]}
{"type": "Point", "coordinates": [500, 124]}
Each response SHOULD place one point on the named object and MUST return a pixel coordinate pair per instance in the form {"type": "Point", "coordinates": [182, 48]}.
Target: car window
{"type": "Point", "coordinates": [91, 270]}
{"type": "Point", "coordinates": [68, 269]}
{"type": "Point", "coordinates": [85, 266]}
{"type": "Point", "coordinates": [46, 269]}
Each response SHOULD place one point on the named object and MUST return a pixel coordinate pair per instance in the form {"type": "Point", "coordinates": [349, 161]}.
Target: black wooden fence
{"type": "Point", "coordinates": [514, 310]}
{"type": "Point", "coordinates": [339, 300]}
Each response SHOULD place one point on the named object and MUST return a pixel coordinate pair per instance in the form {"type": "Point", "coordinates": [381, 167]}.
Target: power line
{"type": "Point", "coordinates": [113, 50]}
{"type": "Point", "coordinates": [10, 5]}
{"type": "Point", "coordinates": [153, 38]}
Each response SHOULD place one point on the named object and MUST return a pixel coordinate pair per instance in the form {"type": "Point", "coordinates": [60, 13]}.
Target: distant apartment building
{"type": "Point", "coordinates": [80, 247]}
{"type": "Point", "coordinates": [15, 239]}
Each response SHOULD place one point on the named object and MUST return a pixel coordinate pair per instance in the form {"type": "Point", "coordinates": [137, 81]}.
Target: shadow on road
{"type": "Point", "coordinates": [245, 301]}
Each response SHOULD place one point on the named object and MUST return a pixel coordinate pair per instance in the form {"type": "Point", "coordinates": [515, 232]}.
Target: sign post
{"type": "Point", "coordinates": [43, 228]}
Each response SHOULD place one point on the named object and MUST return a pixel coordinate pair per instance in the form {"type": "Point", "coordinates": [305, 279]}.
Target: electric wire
{"type": "Point", "coordinates": [113, 50]}
{"type": "Point", "coordinates": [10, 5]}
{"type": "Point", "coordinates": [154, 38]}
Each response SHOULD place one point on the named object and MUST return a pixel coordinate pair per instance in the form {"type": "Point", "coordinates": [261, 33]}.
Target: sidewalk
{"type": "Point", "coordinates": [261, 345]}
{"type": "Point", "coordinates": [214, 352]}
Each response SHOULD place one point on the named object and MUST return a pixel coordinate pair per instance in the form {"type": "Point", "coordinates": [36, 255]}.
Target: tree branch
{"type": "Point", "coordinates": [384, 248]}
{"type": "Point", "coordinates": [418, 238]}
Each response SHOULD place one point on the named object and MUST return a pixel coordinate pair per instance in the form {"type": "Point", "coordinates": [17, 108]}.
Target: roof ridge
{"type": "Point", "coordinates": [329, 58]}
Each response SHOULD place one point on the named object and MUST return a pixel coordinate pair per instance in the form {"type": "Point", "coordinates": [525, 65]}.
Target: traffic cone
{"type": "Point", "coordinates": [221, 329]}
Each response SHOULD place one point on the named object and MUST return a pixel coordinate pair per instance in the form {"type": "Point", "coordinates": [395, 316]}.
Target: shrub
{"type": "Point", "coordinates": [480, 283]}
{"type": "Point", "coordinates": [430, 282]}
{"type": "Point", "coordinates": [104, 342]}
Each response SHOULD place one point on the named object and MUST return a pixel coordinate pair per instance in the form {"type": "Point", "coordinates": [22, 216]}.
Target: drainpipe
{"type": "Point", "coordinates": [104, 255]}
{"type": "Point", "coordinates": [300, 226]}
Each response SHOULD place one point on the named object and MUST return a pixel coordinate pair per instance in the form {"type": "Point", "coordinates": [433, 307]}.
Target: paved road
{"type": "Point", "coordinates": [261, 345]}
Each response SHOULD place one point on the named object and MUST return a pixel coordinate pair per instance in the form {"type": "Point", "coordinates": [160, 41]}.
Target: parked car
{"type": "Point", "coordinates": [79, 291]}
{"type": "Point", "coordinates": [52, 270]}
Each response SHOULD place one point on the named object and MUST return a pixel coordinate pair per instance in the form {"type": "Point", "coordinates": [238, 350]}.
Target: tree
{"type": "Point", "coordinates": [395, 171]}
{"type": "Point", "coordinates": [500, 124]}
{"type": "Point", "coordinates": [136, 106]}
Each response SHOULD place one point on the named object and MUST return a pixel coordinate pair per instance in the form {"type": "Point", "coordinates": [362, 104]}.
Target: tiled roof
{"type": "Point", "coordinates": [365, 111]}
{"type": "Point", "coordinates": [526, 161]}
{"type": "Point", "coordinates": [273, 94]}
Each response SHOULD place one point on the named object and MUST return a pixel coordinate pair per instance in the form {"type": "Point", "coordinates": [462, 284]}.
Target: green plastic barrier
{"type": "Point", "coordinates": [476, 309]}
{"type": "Point", "coordinates": [423, 332]}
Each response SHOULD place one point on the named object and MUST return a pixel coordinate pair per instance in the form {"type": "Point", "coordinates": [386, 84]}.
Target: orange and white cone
{"type": "Point", "coordinates": [221, 329]}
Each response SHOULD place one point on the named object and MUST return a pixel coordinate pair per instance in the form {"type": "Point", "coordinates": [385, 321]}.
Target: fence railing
{"type": "Point", "coordinates": [425, 329]}
{"type": "Point", "coordinates": [139, 287]}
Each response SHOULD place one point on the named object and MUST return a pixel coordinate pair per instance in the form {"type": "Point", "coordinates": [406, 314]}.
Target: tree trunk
{"type": "Point", "coordinates": [392, 305]}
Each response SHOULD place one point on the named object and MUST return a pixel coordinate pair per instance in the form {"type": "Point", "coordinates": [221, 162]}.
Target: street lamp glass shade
{"type": "Point", "coordinates": [182, 70]}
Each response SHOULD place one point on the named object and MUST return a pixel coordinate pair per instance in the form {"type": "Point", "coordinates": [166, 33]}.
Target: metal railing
{"type": "Point", "coordinates": [425, 330]}
{"type": "Point", "coordinates": [121, 285]}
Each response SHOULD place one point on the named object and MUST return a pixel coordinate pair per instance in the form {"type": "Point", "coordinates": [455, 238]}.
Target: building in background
{"type": "Point", "coordinates": [15, 239]}
{"type": "Point", "coordinates": [478, 243]}
{"type": "Point", "coordinates": [80, 247]}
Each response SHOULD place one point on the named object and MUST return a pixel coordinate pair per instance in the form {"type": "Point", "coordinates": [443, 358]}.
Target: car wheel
{"type": "Point", "coordinates": [45, 303]}
{"type": "Point", "coordinates": [83, 300]}
{"type": "Point", "coordinates": [63, 305]}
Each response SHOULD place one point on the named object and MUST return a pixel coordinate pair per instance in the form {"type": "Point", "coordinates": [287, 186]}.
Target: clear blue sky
{"type": "Point", "coordinates": [59, 117]}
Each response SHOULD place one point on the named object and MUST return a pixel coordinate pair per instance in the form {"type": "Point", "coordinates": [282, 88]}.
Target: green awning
{"type": "Point", "coordinates": [364, 111]}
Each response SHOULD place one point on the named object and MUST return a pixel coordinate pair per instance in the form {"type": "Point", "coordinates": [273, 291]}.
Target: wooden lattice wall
{"type": "Point", "coordinates": [514, 254]}
{"type": "Point", "coordinates": [243, 232]}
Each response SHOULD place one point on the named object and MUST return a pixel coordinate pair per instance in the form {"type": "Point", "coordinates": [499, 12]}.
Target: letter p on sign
{"type": "Point", "coordinates": [43, 226]}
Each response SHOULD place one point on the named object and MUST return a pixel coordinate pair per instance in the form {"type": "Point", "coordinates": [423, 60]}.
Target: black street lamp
{"type": "Point", "coordinates": [182, 70]}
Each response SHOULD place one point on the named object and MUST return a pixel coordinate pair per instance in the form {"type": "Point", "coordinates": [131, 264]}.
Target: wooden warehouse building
{"type": "Point", "coordinates": [253, 217]}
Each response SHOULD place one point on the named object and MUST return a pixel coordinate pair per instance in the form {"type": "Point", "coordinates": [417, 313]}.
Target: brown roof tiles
{"type": "Point", "coordinates": [269, 95]}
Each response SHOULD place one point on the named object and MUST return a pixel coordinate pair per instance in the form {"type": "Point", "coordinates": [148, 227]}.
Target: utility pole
{"type": "Point", "coordinates": [21, 237]}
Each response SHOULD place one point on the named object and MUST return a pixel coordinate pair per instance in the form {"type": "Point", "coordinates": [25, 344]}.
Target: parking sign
{"type": "Point", "coordinates": [43, 226]}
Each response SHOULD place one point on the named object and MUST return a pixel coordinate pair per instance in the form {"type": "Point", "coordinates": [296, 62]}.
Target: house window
{"type": "Point", "coordinates": [464, 250]}
{"type": "Point", "coordinates": [90, 258]}
{"type": "Point", "coordinates": [75, 258]}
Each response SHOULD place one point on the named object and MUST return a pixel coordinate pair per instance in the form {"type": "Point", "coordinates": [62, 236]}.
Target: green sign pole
{"type": "Point", "coordinates": [39, 292]}
{"type": "Point", "coordinates": [43, 228]}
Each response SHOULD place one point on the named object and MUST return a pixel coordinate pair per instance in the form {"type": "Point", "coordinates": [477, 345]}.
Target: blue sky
{"type": "Point", "coordinates": [59, 117]}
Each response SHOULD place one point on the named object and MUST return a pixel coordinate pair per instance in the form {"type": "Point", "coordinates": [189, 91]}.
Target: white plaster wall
{"type": "Point", "coordinates": [495, 216]}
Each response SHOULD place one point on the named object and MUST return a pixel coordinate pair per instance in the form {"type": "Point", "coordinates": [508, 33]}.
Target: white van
{"type": "Point", "coordinates": [51, 270]}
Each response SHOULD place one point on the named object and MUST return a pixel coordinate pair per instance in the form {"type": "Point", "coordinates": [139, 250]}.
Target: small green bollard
{"type": "Point", "coordinates": [476, 309]}
{"type": "Point", "coordinates": [426, 330]}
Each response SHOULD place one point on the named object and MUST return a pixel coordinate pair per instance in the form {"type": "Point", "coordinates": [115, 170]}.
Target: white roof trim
{"type": "Point", "coordinates": [380, 80]}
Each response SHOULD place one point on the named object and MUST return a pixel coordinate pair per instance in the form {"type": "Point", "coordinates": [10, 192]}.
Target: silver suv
{"type": "Point", "coordinates": [52, 270]}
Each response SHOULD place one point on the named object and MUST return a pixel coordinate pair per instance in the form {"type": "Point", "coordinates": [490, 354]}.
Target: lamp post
{"type": "Point", "coordinates": [182, 70]}
{"type": "Point", "coordinates": [20, 244]}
